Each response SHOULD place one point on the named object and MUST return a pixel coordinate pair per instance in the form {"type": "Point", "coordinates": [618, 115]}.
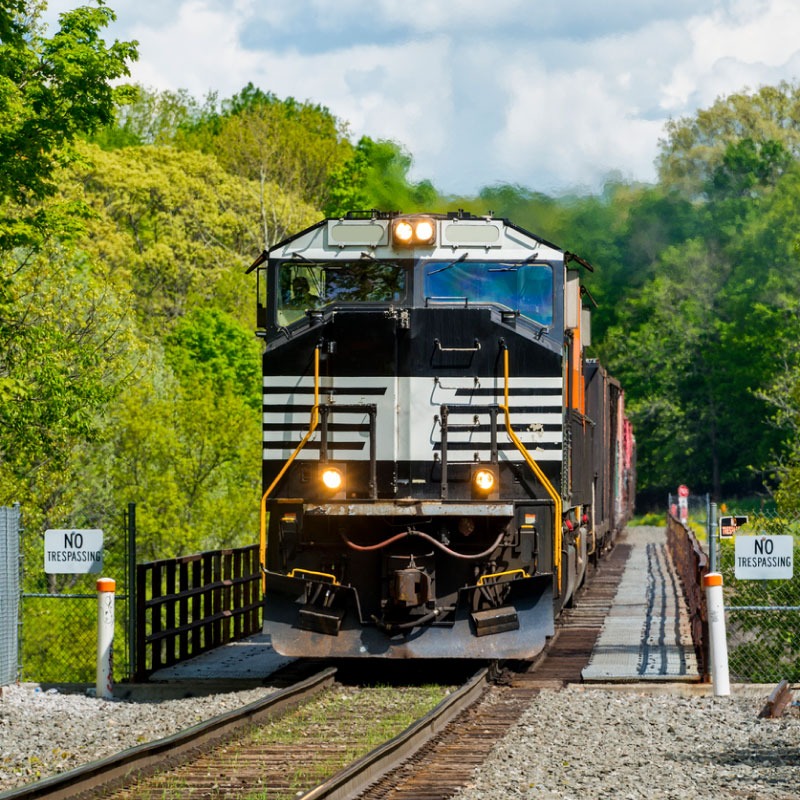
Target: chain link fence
{"type": "Point", "coordinates": [58, 632]}
{"type": "Point", "coordinates": [762, 616]}
{"type": "Point", "coordinates": [9, 594]}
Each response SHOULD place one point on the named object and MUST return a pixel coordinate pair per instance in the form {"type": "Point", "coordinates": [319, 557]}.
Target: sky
{"type": "Point", "coordinates": [553, 95]}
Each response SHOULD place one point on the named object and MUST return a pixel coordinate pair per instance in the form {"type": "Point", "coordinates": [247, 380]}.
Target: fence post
{"type": "Point", "coordinates": [133, 651]}
{"type": "Point", "coordinates": [712, 538]}
{"type": "Point", "coordinates": [712, 582]}
{"type": "Point", "coordinates": [105, 638]}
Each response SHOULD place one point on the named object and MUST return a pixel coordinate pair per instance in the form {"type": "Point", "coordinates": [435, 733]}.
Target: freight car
{"type": "Point", "coordinates": [440, 461]}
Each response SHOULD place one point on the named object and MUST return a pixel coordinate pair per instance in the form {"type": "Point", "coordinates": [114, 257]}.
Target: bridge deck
{"type": "Point", "coordinates": [646, 636]}
{"type": "Point", "coordinates": [247, 659]}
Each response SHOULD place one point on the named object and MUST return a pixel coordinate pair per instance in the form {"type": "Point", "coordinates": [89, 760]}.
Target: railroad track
{"type": "Point", "coordinates": [98, 777]}
{"type": "Point", "coordinates": [432, 758]}
{"type": "Point", "coordinates": [324, 726]}
{"type": "Point", "coordinates": [447, 764]}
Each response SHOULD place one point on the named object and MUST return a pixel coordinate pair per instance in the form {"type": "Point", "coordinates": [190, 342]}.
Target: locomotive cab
{"type": "Point", "coordinates": [423, 454]}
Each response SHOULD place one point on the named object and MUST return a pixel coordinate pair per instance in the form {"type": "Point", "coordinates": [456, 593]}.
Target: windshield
{"type": "Point", "coordinates": [305, 285]}
{"type": "Point", "coordinates": [527, 288]}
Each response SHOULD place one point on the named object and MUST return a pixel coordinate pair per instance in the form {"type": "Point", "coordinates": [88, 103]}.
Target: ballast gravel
{"type": "Point", "coordinates": [46, 732]}
{"type": "Point", "coordinates": [582, 744]}
{"type": "Point", "coordinates": [572, 744]}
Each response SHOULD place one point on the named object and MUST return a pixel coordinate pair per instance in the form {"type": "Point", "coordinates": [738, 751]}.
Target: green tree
{"type": "Point", "coordinates": [211, 347]}
{"type": "Point", "coordinates": [376, 176]}
{"type": "Point", "coordinates": [658, 362]}
{"type": "Point", "coordinates": [764, 297]}
{"type": "Point", "coordinates": [178, 227]}
{"type": "Point", "coordinates": [147, 116]}
{"type": "Point", "coordinates": [272, 142]}
{"type": "Point", "coordinates": [694, 148]}
{"type": "Point", "coordinates": [691, 369]}
{"type": "Point", "coordinates": [706, 262]}
{"type": "Point", "coordinates": [67, 343]}
{"type": "Point", "coordinates": [51, 91]}
{"type": "Point", "coordinates": [188, 456]}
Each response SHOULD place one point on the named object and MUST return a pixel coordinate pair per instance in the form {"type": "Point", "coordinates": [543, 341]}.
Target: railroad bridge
{"type": "Point", "coordinates": [199, 618]}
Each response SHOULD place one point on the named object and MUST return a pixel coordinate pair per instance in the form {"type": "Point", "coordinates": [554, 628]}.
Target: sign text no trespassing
{"type": "Point", "coordinates": [73, 551]}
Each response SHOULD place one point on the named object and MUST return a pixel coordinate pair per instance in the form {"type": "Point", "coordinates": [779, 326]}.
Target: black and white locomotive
{"type": "Point", "coordinates": [440, 461]}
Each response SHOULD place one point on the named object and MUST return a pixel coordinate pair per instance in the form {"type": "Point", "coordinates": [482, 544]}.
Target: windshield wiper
{"type": "Point", "coordinates": [462, 257]}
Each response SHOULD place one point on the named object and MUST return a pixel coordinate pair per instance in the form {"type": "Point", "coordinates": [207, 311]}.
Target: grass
{"type": "Point", "coordinates": [373, 715]}
{"type": "Point", "coordinates": [356, 720]}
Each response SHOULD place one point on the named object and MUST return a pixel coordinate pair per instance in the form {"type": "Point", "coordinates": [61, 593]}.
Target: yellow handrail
{"type": "Point", "coordinates": [311, 428]}
{"type": "Point", "coordinates": [484, 578]}
{"type": "Point", "coordinates": [300, 571]}
{"type": "Point", "coordinates": [537, 470]}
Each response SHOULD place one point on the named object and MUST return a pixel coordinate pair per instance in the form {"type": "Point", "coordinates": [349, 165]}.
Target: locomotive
{"type": "Point", "coordinates": [440, 460]}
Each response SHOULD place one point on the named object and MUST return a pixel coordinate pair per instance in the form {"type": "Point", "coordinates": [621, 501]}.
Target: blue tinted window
{"type": "Point", "coordinates": [527, 288]}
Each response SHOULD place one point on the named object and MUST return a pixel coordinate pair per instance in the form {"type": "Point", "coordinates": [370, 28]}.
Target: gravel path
{"type": "Point", "coordinates": [43, 733]}
{"type": "Point", "coordinates": [588, 744]}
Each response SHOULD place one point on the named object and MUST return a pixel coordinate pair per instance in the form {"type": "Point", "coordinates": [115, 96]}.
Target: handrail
{"type": "Point", "coordinates": [474, 349]}
{"type": "Point", "coordinates": [314, 421]}
{"type": "Point", "coordinates": [299, 571]}
{"type": "Point", "coordinates": [483, 578]}
{"type": "Point", "coordinates": [691, 564]}
{"type": "Point", "coordinates": [537, 470]}
{"type": "Point", "coordinates": [188, 605]}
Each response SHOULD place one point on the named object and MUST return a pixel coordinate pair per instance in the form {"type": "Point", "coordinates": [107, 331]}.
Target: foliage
{"type": "Point", "coordinates": [51, 91]}
{"type": "Point", "coordinates": [208, 346]}
{"type": "Point", "coordinates": [652, 519]}
{"type": "Point", "coordinates": [783, 397]}
{"type": "Point", "coordinates": [707, 264]}
{"type": "Point", "coordinates": [146, 116]}
{"type": "Point", "coordinates": [376, 176]}
{"type": "Point", "coordinates": [59, 317]}
{"type": "Point", "coordinates": [66, 343]}
{"type": "Point", "coordinates": [174, 224]}
{"type": "Point", "coordinates": [694, 148]}
{"type": "Point", "coordinates": [190, 460]}
{"type": "Point", "coordinates": [270, 141]}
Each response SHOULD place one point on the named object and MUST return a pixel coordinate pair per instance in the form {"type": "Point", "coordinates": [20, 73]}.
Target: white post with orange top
{"type": "Point", "coordinates": [105, 638]}
{"type": "Point", "coordinates": [712, 583]}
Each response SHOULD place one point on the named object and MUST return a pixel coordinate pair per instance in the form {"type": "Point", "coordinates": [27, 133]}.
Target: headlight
{"type": "Point", "coordinates": [403, 232]}
{"type": "Point", "coordinates": [483, 480]}
{"type": "Point", "coordinates": [332, 478]}
{"type": "Point", "coordinates": [413, 232]}
{"type": "Point", "coordinates": [424, 231]}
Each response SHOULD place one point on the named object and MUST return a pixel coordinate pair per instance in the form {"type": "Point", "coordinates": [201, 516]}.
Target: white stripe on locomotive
{"type": "Point", "coordinates": [408, 424]}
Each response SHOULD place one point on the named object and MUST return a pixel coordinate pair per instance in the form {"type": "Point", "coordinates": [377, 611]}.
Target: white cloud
{"type": "Point", "coordinates": [754, 43]}
{"type": "Point", "coordinates": [478, 93]}
{"type": "Point", "coordinates": [572, 128]}
{"type": "Point", "coordinates": [198, 50]}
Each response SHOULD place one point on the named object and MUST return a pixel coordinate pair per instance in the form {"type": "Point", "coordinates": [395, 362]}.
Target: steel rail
{"type": "Point", "coordinates": [356, 777]}
{"type": "Point", "coordinates": [147, 758]}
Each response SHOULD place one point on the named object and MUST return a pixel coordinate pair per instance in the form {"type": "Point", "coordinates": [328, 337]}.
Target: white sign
{"type": "Point", "coordinates": [73, 551]}
{"type": "Point", "coordinates": [764, 558]}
